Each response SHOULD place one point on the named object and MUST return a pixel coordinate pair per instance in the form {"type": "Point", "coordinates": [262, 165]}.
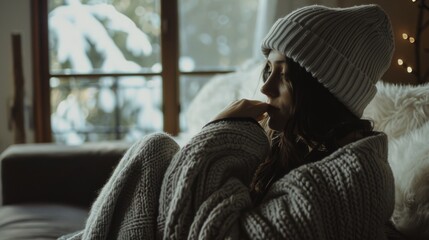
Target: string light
{"type": "Point", "coordinates": [400, 61]}
{"type": "Point", "coordinates": [404, 65]}
{"type": "Point", "coordinates": [409, 38]}
{"type": "Point", "coordinates": [421, 77]}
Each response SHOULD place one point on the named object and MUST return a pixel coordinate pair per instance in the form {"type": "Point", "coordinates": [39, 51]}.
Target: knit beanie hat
{"type": "Point", "coordinates": [345, 49]}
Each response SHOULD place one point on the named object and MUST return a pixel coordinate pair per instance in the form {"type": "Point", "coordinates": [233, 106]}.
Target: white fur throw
{"type": "Point", "coordinates": [409, 160]}
{"type": "Point", "coordinates": [398, 109]}
{"type": "Point", "coordinates": [402, 112]}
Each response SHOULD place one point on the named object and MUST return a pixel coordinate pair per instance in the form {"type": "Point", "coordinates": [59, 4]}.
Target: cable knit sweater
{"type": "Point", "coordinates": [200, 191]}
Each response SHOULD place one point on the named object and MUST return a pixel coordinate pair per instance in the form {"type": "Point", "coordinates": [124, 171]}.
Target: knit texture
{"type": "Point", "coordinates": [127, 206]}
{"type": "Point", "coordinates": [205, 195]}
{"type": "Point", "coordinates": [346, 49]}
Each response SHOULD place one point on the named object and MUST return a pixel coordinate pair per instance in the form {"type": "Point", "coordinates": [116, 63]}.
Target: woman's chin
{"type": "Point", "coordinates": [277, 119]}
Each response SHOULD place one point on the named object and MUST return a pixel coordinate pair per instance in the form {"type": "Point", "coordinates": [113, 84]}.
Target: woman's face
{"type": "Point", "coordinates": [278, 89]}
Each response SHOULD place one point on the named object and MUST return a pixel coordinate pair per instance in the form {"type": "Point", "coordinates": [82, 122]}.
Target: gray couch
{"type": "Point", "coordinates": [47, 189]}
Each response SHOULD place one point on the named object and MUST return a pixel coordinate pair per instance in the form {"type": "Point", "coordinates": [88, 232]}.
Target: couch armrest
{"type": "Point", "coordinates": [57, 173]}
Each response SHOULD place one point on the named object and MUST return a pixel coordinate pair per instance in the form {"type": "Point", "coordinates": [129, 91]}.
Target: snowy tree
{"type": "Point", "coordinates": [96, 37]}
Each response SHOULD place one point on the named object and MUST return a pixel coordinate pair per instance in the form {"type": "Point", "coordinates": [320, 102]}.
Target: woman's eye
{"type": "Point", "coordinates": [266, 75]}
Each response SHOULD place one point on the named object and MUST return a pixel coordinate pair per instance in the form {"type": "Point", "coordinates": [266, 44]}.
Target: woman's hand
{"type": "Point", "coordinates": [244, 108]}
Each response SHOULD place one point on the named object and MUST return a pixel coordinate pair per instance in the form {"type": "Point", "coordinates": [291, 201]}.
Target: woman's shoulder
{"type": "Point", "coordinates": [355, 162]}
{"type": "Point", "coordinates": [373, 136]}
{"type": "Point", "coordinates": [364, 153]}
{"type": "Point", "coordinates": [373, 145]}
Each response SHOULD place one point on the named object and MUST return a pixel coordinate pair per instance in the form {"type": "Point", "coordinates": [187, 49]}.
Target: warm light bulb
{"type": "Point", "coordinates": [404, 36]}
{"type": "Point", "coordinates": [409, 69]}
{"type": "Point", "coordinates": [413, 0]}
{"type": "Point", "coordinates": [412, 40]}
{"type": "Point", "coordinates": [400, 62]}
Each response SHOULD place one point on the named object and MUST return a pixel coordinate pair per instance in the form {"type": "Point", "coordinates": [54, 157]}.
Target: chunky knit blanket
{"type": "Point", "coordinates": [200, 191]}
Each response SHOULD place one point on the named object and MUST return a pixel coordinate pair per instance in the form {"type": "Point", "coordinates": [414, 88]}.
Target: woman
{"type": "Point", "coordinates": [317, 172]}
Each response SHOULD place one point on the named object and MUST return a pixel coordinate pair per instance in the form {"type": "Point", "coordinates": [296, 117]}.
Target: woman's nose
{"type": "Point", "coordinates": [269, 88]}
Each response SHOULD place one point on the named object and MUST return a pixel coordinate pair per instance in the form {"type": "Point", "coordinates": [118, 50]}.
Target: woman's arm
{"type": "Point", "coordinates": [224, 151]}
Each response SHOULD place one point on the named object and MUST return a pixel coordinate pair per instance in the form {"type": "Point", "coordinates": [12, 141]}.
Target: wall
{"type": "Point", "coordinates": [15, 16]}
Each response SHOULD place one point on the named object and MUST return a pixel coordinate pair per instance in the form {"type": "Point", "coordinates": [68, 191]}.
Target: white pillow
{"type": "Point", "coordinates": [398, 109]}
{"type": "Point", "coordinates": [409, 159]}
{"type": "Point", "coordinates": [222, 90]}
{"type": "Point", "coordinates": [402, 112]}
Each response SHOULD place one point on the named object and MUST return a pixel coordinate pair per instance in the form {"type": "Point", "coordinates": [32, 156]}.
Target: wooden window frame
{"type": "Point", "coordinates": [41, 88]}
{"type": "Point", "coordinates": [169, 59]}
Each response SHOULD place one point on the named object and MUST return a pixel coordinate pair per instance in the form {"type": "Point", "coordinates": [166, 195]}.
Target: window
{"type": "Point", "coordinates": [117, 69]}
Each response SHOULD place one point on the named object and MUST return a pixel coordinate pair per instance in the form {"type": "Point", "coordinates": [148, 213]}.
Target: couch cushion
{"type": "Point", "coordinates": [40, 221]}
{"type": "Point", "coordinates": [55, 173]}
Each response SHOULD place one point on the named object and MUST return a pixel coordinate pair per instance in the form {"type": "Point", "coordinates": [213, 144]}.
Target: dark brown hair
{"type": "Point", "coordinates": [317, 121]}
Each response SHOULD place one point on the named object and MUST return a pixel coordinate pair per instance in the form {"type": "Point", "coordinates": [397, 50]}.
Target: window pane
{"type": "Point", "coordinates": [216, 34]}
{"type": "Point", "coordinates": [104, 36]}
{"type": "Point", "coordinates": [106, 108]}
